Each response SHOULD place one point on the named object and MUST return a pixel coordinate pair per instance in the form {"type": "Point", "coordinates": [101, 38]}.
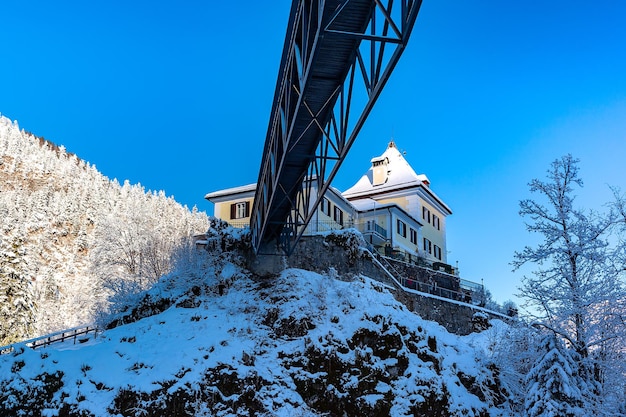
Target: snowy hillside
{"type": "Point", "coordinates": [72, 240]}
{"type": "Point", "coordinates": [213, 340]}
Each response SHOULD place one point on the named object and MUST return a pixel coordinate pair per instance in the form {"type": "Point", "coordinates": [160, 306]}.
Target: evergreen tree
{"type": "Point", "coordinates": [17, 311]}
{"type": "Point", "coordinates": [78, 227]}
{"type": "Point", "coordinates": [554, 384]}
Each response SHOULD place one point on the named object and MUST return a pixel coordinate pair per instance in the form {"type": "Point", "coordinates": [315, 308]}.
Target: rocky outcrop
{"type": "Point", "coordinates": [343, 253]}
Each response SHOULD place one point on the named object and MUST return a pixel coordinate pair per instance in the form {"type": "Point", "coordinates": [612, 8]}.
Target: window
{"type": "Point", "coordinates": [401, 228]}
{"type": "Point", "coordinates": [325, 206]}
{"type": "Point", "coordinates": [437, 252]}
{"type": "Point", "coordinates": [240, 210]}
{"type": "Point", "coordinates": [338, 215]}
{"type": "Point", "coordinates": [413, 233]}
{"type": "Point", "coordinates": [425, 214]}
{"type": "Point", "coordinates": [428, 246]}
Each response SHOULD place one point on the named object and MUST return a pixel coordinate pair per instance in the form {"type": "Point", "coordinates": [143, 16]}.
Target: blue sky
{"type": "Point", "coordinates": [177, 97]}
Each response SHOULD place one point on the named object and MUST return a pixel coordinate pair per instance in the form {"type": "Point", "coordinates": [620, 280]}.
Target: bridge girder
{"type": "Point", "coordinates": [338, 56]}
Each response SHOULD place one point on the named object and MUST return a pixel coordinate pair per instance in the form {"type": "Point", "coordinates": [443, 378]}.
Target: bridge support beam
{"type": "Point", "coordinates": [267, 262]}
{"type": "Point", "coordinates": [338, 56]}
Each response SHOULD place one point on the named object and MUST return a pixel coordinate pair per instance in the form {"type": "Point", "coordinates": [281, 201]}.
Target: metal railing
{"type": "Point", "coordinates": [431, 287]}
{"type": "Point", "coordinates": [469, 291]}
{"type": "Point", "coordinates": [238, 224]}
{"type": "Point", "coordinates": [370, 226]}
{"type": "Point", "coordinates": [471, 286]}
{"type": "Point", "coordinates": [469, 297]}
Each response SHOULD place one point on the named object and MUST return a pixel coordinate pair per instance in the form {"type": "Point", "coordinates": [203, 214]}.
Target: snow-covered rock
{"type": "Point", "coordinates": [299, 344]}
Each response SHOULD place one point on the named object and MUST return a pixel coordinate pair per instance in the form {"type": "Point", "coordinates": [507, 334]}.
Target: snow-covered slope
{"type": "Point", "coordinates": [212, 339]}
{"type": "Point", "coordinates": [68, 233]}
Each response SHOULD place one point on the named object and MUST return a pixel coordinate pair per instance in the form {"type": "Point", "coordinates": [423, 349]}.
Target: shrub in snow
{"type": "Point", "coordinates": [510, 308]}
{"type": "Point", "coordinates": [224, 237]}
{"type": "Point", "coordinates": [480, 321]}
{"type": "Point", "coordinates": [349, 239]}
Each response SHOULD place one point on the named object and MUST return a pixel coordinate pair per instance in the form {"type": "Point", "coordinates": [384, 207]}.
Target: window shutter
{"type": "Point", "coordinates": [233, 211]}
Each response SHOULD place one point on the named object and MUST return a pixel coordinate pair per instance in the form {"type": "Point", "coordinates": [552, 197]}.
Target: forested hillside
{"type": "Point", "coordinates": [73, 241]}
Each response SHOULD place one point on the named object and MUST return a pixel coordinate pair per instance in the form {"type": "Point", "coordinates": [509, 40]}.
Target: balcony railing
{"type": "Point", "coordinates": [366, 227]}
{"type": "Point", "coordinates": [370, 226]}
{"type": "Point", "coordinates": [238, 224]}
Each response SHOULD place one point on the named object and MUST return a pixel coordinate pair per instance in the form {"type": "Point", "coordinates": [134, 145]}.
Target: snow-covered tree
{"type": "Point", "coordinates": [575, 291]}
{"type": "Point", "coordinates": [59, 208]}
{"type": "Point", "coordinates": [136, 241]}
{"type": "Point", "coordinates": [555, 388]}
{"type": "Point", "coordinates": [512, 349]}
{"type": "Point", "coordinates": [17, 310]}
{"type": "Point", "coordinates": [571, 284]}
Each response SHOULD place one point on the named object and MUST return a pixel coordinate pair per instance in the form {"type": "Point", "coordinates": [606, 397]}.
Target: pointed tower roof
{"type": "Point", "coordinates": [398, 174]}
{"type": "Point", "coordinates": [390, 172]}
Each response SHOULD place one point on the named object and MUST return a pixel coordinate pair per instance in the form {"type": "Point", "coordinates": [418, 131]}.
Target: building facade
{"type": "Point", "coordinates": [390, 181]}
{"type": "Point", "coordinates": [392, 206]}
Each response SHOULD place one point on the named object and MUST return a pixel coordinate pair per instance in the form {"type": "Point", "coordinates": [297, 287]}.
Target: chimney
{"type": "Point", "coordinates": [380, 170]}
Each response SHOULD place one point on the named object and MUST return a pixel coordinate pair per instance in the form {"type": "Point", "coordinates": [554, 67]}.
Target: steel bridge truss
{"type": "Point", "coordinates": [337, 58]}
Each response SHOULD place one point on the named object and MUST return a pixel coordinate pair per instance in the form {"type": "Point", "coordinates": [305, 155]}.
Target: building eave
{"type": "Point", "coordinates": [230, 192]}
{"type": "Point", "coordinates": [390, 206]}
{"type": "Point", "coordinates": [399, 188]}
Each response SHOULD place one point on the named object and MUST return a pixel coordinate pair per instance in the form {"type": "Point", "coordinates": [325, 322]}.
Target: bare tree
{"type": "Point", "coordinates": [575, 291]}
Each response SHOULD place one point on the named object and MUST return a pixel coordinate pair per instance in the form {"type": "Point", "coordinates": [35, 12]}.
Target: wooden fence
{"type": "Point", "coordinates": [76, 335]}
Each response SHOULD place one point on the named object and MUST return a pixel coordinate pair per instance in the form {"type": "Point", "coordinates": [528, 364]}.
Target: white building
{"type": "Point", "coordinates": [390, 182]}
{"type": "Point", "coordinates": [392, 206]}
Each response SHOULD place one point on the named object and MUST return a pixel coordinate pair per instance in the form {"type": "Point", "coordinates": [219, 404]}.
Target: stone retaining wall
{"type": "Point", "coordinates": [342, 253]}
